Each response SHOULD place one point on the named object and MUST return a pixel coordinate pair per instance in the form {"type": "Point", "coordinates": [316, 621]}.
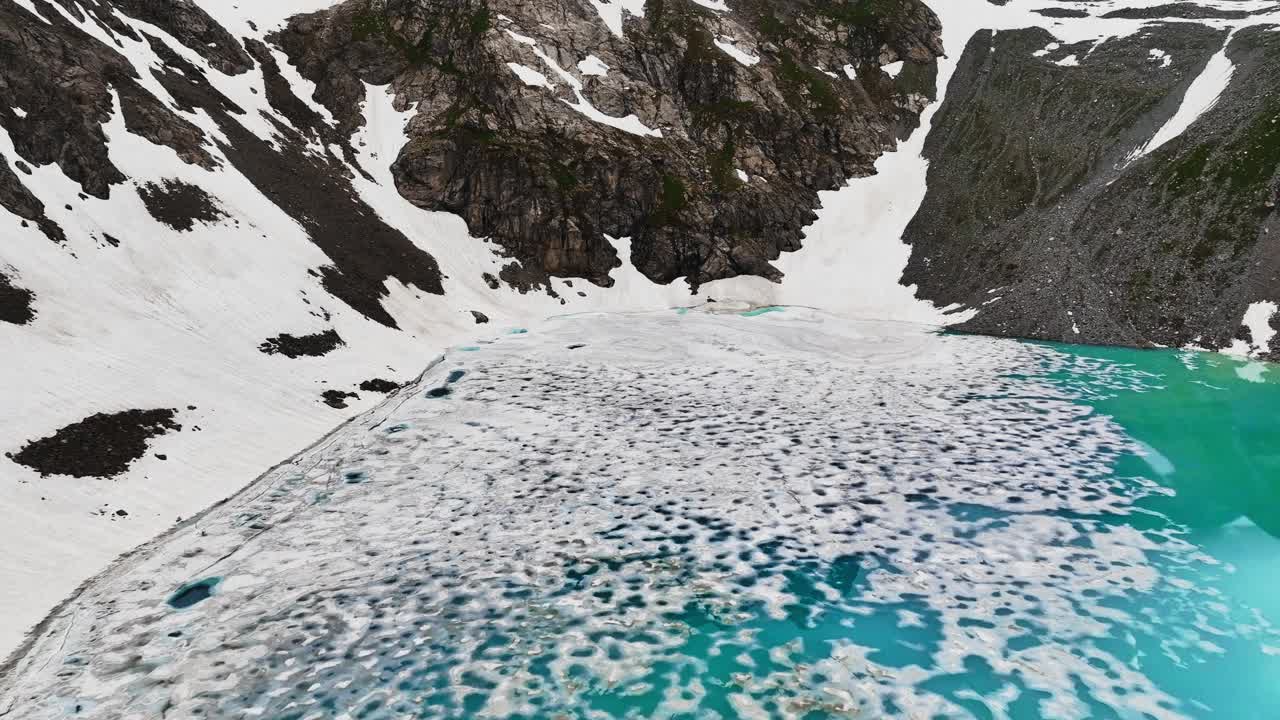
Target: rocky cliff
{"type": "Point", "coordinates": [1062, 207]}
{"type": "Point", "coordinates": [703, 134]}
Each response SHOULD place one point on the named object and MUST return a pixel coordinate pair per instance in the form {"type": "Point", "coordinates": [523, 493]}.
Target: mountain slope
{"type": "Point", "coordinates": [1110, 181]}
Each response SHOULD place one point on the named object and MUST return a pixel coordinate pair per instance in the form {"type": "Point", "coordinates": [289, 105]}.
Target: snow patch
{"type": "Point", "coordinates": [19, 112]}
{"type": "Point", "coordinates": [1201, 96]}
{"type": "Point", "coordinates": [893, 68]}
{"type": "Point", "coordinates": [611, 12]}
{"type": "Point", "coordinates": [1257, 318]}
{"type": "Point", "coordinates": [529, 76]}
{"type": "Point", "coordinates": [736, 53]}
{"type": "Point", "coordinates": [1047, 49]}
{"type": "Point", "coordinates": [592, 65]}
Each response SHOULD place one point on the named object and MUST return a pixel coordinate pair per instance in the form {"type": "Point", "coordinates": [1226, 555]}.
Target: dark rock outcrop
{"type": "Point", "coordinates": [522, 166]}
{"type": "Point", "coordinates": [337, 399]}
{"type": "Point", "coordinates": [180, 205]}
{"type": "Point", "coordinates": [1037, 216]}
{"type": "Point", "coordinates": [102, 445]}
{"type": "Point", "coordinates": [15, 302]}
{"type": "Point", "coordinates": [313, 345]}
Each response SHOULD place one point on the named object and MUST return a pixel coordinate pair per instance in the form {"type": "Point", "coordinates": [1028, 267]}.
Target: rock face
{"type": "Point", "coordinates": [1044, 213]}
{"type": "Point", "coordinates": [702, 135]}
{"type": "Point", "coordinates": [68, 83]}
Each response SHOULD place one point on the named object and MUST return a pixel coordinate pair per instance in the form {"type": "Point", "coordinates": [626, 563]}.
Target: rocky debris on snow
{"type": "Point", "coordinates": [480, 317]}
{"type": "Point", "coordinates": [15, 302]}
{"type": "Point", "coordinates": [180, 205]}
{"type": "Point", "coordinates": [379, 385]}
{"type": "Point", "coordinates": [337, 398]}
{"type": "Point", "coordinates": [313, 345]}
{"type": "Point", "coordinates": [102, 445]}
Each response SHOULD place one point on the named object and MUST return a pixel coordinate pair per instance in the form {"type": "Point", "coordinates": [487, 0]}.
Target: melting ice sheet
{"type": "Point", "coordinates": [721, 516]}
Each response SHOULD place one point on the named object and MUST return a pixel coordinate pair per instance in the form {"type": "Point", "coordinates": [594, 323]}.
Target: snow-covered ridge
{"type": "Point", "coordinates": [132, 313]}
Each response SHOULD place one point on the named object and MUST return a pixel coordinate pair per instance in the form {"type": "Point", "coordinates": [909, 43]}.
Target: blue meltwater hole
{"type": "Point", "coordinates": [193, 593]}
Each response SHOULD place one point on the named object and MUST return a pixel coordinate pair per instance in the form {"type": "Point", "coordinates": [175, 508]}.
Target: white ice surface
{"type": "Point", "coordinates": [600, 472]}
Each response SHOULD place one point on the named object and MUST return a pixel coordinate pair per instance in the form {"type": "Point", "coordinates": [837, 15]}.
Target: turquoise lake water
{"type": "Point", "coordinates": [1207, 475]}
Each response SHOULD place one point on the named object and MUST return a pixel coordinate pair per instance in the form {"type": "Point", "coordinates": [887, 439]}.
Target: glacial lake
{"type": "Point", "coordinates": [688, 515]}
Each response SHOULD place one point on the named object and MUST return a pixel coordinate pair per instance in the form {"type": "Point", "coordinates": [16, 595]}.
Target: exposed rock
{"type": "Point", "coordinates": [1032, 196]}
{"type": "Point", "coordinates": [379, 385]}
{"type": "Point", "coordinates": [522, 166]}
{"type": "Point", "coordinates": [15, 197]}
{"type": "Point", "coordinates": [1189, 11]}
{"type": "Point", "coordinates": [103, 445]}
{"type": "Point", "coordinates": [180, 205]}
{"type": "Point", "coordinates": [337, 398]}
{"type": "Point", "coordinates": [65, 81]}
{"type": "Point", "coordinates": [313, 345]}
{"type": "Point", "coordinates": [15, 302]}
{"type": "Point", "coordinates": [480, 317]}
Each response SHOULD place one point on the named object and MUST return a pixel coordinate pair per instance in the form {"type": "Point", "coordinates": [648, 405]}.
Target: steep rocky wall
{"type": "Point", "coordinates": [720, 169]}
{"type": "Point", "coordinates": [1038, 216]}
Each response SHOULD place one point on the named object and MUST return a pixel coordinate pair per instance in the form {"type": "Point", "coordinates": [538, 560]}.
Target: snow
{"type": "Point", "coordinates": [742, 175]}
{"type": "Point", "coordinates": [1257, 318]}
{"type": "Point", "coordinates": [736, 53]}
{"type": "Point", "coordinates": [1162, 57]}
{"type": "Point", "coordinates": [893, 68]}
{"type": "Point", "coordinates": [19, 112]}
{"type": "Point", "coordinates": [236, 15]}
{"type": "Point", "coordinates": [611, 12]}
{"type": "Point", "coordinates": [1047, 49]}
{"type": "Point", "coordinates": [530, 76]}
{"type": "Point", "coordinates": [171, 319]}
{"type": "Point", "coordinates": [30, 7]}
{"type": "Point", "coordinates": [1201, 96]}
{"type": "Point", "coordinates": [1069, 61]}
{"type": "Point", "coordinates": [522, 39]}
{"type": "Point", "coordinates": [592, 65]}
